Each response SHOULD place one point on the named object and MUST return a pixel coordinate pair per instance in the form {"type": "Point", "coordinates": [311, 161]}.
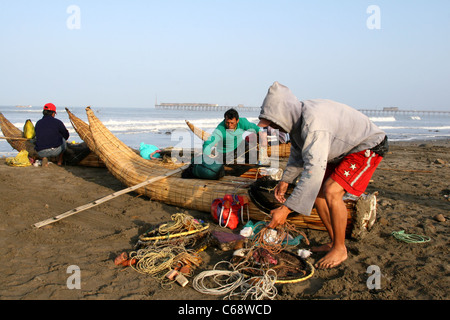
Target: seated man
{"type": "Point", "coordinates": [234, 137]}
{"type": "Point", "coordinates": [51, 136]}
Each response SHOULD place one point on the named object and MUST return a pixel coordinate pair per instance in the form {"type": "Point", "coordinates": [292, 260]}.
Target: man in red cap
{"type": "Point", "coordinates": [51, 136]}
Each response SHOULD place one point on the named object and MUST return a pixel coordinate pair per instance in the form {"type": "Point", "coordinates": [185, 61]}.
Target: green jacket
{"type": "Point", "coordinates": [228, 140]}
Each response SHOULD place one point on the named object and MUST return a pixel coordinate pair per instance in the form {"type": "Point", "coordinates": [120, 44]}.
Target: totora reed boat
{"type": "Point", "coordinates": [14, 136]}
{"type": "Point", "coordinates": [76, 154]}
{"type": "Point", "coordinates": [196, 194]}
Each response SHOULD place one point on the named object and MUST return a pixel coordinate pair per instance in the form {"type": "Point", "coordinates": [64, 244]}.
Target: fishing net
{"type": "Point", "coordinates": [269, 250]}
{"type": "Point", "coordinates": [288, 267]}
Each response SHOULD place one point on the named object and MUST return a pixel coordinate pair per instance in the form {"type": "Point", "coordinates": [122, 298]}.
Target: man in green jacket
{"type": "Point", "coordinates": [234, 137]}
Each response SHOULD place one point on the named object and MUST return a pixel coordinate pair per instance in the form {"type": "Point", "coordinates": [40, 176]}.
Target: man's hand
{"type": "Point", "coordinates": [279, 216]}
{"type": "Point", "coordinates": [280, 191]}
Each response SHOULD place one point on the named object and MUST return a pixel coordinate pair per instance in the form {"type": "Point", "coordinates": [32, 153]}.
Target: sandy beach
{"type": "Point", "coordinates": [413, 184]}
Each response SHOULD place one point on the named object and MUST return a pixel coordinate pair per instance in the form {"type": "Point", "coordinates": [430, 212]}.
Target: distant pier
{"type": "Point", "coordinates": [240, 107]}
{"type": "Point", "coordinates": [203, 107]}
{"type": "Point", "coordinates": [396, 111]}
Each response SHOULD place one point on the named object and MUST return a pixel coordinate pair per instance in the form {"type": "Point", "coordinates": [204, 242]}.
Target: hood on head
{"type": "Point", "coordinates": [281, 107]}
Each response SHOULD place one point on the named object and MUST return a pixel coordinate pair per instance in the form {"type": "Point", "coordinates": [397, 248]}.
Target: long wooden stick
{"type": "Point", "coordinates": [12, 138]}
{"type": "Point", "coordinates": [107, 198]}
{"type": "Point", "coordinates": [405, 170]}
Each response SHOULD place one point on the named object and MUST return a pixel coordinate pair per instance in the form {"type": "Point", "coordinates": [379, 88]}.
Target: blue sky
{"type": "Point", "coordinates": [127, 53]}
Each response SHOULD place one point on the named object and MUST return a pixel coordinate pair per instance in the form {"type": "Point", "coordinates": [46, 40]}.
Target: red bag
{"type": "Point", "coordinates": [226, 210]}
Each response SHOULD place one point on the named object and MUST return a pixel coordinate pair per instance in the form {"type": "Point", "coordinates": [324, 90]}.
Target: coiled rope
{"type": "Point", "coordinates": [234, 283]}
{"type": "Point", "coordinates": [157, 261]}
{"type": "Point", "coordinates": [181, 222]}
{"type": "Point", "coordinates": [181, 226]}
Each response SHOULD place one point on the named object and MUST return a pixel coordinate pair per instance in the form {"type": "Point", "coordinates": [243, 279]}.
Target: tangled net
{"type": "Point", "coordinates": [269, 251]}
{"type": "Point", "coordinates": [254, 272]}
{"type": "Point", "coordinates": [279, 239]}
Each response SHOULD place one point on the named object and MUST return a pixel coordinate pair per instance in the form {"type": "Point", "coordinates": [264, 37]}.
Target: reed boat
{"type": "Point", "coordinates": [195, 194]}
{"type": "Point", "coordinates": [76, 154]}
{"type": "Point", "coordinates": [15, 135]}
{"type": "Point", "coordinates": [283, 149]}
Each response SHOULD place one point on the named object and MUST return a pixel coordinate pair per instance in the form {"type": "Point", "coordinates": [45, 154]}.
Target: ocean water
{"type": "Point", "coordinates": [167, 128]}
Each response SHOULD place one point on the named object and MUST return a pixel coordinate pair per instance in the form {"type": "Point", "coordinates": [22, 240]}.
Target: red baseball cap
{"type": "Point", "coordinates": [50, 107]}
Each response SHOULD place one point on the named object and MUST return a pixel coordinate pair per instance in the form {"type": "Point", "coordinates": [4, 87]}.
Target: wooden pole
{"type": "Point", "coordinates": [405, 170]}
{"type": "Point", "coordinates": [107, 198]}
{"type": "Point", "coordinates": [12, 138]}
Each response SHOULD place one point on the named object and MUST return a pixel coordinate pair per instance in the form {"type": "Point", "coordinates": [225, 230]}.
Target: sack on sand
{"type": "Point", "coordinates": [21, 160]}
{"type": "Point", "coordinates": [146, 150]}
{"type": "Point", "coordinates": [229, 210]}
{"type": "Point", "coordinates": [207, 168]}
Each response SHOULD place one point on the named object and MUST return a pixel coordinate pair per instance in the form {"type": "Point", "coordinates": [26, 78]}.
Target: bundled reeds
{"type": "Point", "coordinates": [19, 143]}
{"type": "Point", "coordinates": [197, 194]}
{"type": "Point", "coordinates": [16, 135]}
{"type": "Point", "coordinates": [83, 130]}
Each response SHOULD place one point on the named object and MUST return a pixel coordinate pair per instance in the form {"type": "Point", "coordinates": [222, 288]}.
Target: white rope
{"type": "Point", "coordinates": [236, 284]}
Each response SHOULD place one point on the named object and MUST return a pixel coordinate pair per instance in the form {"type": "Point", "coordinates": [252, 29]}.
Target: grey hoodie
{"type": "Point", "coordinates": [321, 131]}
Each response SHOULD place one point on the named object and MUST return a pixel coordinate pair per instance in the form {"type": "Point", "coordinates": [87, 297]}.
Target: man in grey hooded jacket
{"type": "Point", "coordinates": [325, 136]}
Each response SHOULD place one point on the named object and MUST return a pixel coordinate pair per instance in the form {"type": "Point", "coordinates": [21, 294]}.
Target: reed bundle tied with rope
{"type": "Point", "coordinates": [197, 194]}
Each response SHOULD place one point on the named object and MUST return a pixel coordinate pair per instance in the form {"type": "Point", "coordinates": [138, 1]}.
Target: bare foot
{"type": "Point", "coordinates": [323, 248]}
{"type": "Point", "coordinates": [332, 259]}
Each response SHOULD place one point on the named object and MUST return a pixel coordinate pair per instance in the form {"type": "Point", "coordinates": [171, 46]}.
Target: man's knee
{"type": "Point", "coordinates": [332, 190]}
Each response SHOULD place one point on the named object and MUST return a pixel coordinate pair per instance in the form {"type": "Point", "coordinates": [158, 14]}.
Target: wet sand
{"type": "Point", "coordinates": [413, 186]}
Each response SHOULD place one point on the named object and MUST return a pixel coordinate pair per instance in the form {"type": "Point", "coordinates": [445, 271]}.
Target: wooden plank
{"type": "Point", "coordinates": [106, 198]}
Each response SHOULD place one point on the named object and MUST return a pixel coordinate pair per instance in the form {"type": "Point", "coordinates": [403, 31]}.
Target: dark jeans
{"type": "Point", "coordinates": [53, 152]}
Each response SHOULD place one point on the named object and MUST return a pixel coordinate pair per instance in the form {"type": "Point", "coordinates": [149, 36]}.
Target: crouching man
{"type": "Point", "coordinates": [334, 149]}
{"type": "Point", "coordinates": [51, 136]}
